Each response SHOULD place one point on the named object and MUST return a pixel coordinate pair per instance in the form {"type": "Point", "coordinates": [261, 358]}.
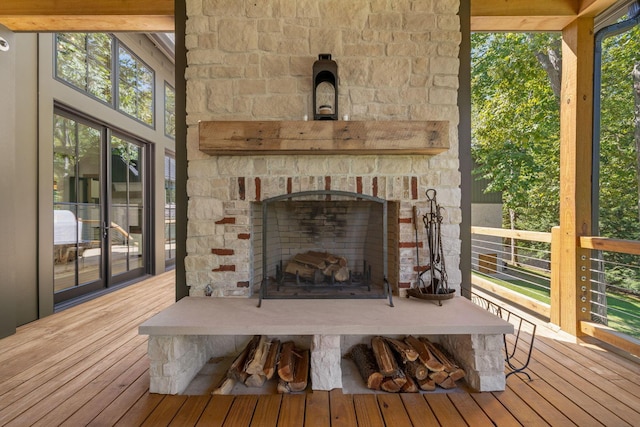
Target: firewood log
{"type": "Point", "coordinates": [236, 370]}
{"type": "Point", "coordinates": [406, 352]}
{"type": "Point", "coordinates": [416, 370]}
{"type": "Point", "coordinates": [286, 365]}
{"type": "Point", "coordinates": [225, 387]}
{"type": "Point", "coordinates": [448, 383]}
{"type": "Point", "coordinates": [272, 359]}
{"type": "Point", "coordinates": [384, 357]}
{"type": "Point", "coordinates": [439, 377]}
{"type": "Point", "coordinates": [283, 387]}
{"type": "Point", "coordinates": [301, 374]}
{"type": "Point", "coordinates": [427, 384]}
{"type": "Point", "coordinates": [255, 380]}
{"type": "Point", "coordinates": [313, 259]}
{"type": "Point", "coordinates": [390, 386]}
{"type": "Point", "coordinates": [455, 372]}
{"type": "Point", "coordinates": [364, 359]}
{"type": "Point", "coordinates": [340, 274]}
{"type": "Point", "coordinates": [311, 274]}
{"type": "Point", "coordinates": [400, 378]}
{"type": "Point", "coordinates": [425, 355]}
{"type": "Point", "coordinates": [410, 386]}
{"type": "Point", "coordinates": [255, 365]}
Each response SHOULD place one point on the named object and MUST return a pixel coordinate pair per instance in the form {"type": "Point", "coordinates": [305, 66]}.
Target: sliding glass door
{"type": "Point", "coordinates": [100, 215]}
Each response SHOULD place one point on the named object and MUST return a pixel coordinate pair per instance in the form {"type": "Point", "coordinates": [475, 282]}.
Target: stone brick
{"type": "Point", "coordinates": [199, 262]}
{"type": "Point", "coordinates": [205, 208]}
{"type": "Point", "coordinates": [449, 22]}
{"type": "Point", "coordinates": [446, 6]}
{"type": "Point", "coordinates": [419, 22]}
{"type": "Point", "coordinates": [237, 35]}
{"type": "Point", "coordinates": [219, 95]}
{"type": "Point", "coordinates": [343, 14]}
{"type": "Point", "coordinates": [197, 25]}
{"type": "Point", "coordinates": [201, 228]}
{"type": "Point", "coordinates": [326, 40]}
{"type": "Point", "coordinates": [193, 7]}
{"type": "Point", "coordinates": [222, 7]}
{"type": "Point", "coordinates": [441, 65]}
{"type": "Point", "coordinates": [385, 21]}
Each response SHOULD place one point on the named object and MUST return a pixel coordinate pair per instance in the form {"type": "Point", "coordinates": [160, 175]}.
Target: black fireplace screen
{"type": "Point", "coordinates": [323, 244]}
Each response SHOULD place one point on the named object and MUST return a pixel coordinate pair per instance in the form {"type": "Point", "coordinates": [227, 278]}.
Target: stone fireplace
{"type": "Point", "coordinates": [250, 149]}
{"type": "Point", "coordinates": [252, 62]}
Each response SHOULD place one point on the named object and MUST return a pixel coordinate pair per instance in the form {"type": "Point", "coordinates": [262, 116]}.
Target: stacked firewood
{"type": "Point", "coordinates": [407, 366]}
{"type": "Point", "coordinates": [316, 267]}
{"type": "Point", "coordinates": [261, 360]}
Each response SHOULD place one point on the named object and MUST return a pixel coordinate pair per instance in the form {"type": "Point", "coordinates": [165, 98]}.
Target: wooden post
{"type": "Point", "coordinates": [576, 118]}
{"type": "Point", "coordinates": [556, 297]}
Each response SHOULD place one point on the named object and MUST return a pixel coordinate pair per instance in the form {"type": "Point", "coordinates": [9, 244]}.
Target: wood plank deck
{"type": "Point", "coordinates": [88, 366]}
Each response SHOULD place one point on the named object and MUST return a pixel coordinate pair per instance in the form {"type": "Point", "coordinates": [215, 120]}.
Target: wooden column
{"type": "Point", "coordinates": [576, 117]}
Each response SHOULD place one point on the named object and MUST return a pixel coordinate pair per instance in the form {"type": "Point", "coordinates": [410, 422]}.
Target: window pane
{"type": "Point", "coordinates": [88, 164]}
{"type": "Point", "coordinates": [169, 111]}
{"type": "Point", "coordinates": [76, 210]}
{"type": "Point", "coordinates": [64, 160]}
{"type": "Point", "coordinates": [135, 87]}
{"type": "Point", "coordinates": [127, 212]}
{"type": "Point", "coordinates": [170, 206]}
{"type": "Point", "coordinates": [84, 60]}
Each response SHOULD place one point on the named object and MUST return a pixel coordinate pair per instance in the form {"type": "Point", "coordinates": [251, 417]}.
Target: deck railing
{"type": "Point", "coordinates": [522, 267]}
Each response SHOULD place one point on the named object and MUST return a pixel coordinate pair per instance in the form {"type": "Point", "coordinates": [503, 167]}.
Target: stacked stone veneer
{"type": "Point", "coordinates": [248, 60]}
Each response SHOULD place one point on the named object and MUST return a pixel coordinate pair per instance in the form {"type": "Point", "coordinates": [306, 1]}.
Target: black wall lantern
{"type": "Point", "coordinates": [325, 88]}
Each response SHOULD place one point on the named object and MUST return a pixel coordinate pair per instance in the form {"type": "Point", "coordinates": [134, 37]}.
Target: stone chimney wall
{"type": "Point", "coordinates": [252, 60]}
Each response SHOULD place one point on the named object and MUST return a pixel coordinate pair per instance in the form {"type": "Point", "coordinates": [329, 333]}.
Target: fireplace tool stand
{"type": "Point", "coordinates": [436, 287]}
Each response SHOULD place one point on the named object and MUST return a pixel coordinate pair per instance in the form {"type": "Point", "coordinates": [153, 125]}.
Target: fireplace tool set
{"type": "Point", "coordinates": [436, 286]}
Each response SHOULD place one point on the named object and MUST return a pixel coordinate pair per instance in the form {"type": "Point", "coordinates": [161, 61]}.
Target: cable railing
{"type": "Point", "coordinates": [615, 283]}
{"type": "Point", "coordinates": [518, 266]}
{"type": "Point", "coordinates": [519, 269]}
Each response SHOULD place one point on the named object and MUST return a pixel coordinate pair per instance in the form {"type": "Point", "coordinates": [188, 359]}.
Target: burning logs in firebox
{"type": "Point", "coordinates": [406, 366]}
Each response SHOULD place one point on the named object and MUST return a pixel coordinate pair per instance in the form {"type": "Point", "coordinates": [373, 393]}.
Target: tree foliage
{"type": "Point", "coordinates": [516, 133]}
{"type": "Point", "coordinates": [516, 123]}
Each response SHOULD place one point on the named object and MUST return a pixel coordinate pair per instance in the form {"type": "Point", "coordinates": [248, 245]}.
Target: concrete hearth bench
{"type": "Point", "coordinates": [184, 336]}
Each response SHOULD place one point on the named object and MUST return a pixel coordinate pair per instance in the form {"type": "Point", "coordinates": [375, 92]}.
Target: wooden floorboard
{"type": "Point", "coordinates": [87, 365]}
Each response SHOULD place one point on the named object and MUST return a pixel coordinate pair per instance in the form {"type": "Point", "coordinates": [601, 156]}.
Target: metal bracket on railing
{"type": "Point", "coordinates": [518, 323]}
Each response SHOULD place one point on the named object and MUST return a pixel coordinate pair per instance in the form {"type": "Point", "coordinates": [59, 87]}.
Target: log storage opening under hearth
{"type": "Point", "coordinates": [264, 360]}
{"type": "Point", "coordinates": [405, 365]}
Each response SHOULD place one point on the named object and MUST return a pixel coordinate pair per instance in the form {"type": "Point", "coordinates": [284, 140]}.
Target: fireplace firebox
{"type": "Point", "coordinates": [322, 244]}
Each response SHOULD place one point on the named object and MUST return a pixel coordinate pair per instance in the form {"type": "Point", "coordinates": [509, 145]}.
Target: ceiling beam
{"type": "Point", "coordinates": [532, 15]}
{"type": "Point", "coordinates": [522, 15]}
{"type": "Point", "coordinates": [157, 15]}
{"type": "Point", "coordinates": [83, 15]}
{"type": "Point", "coordinates": [591, 8]}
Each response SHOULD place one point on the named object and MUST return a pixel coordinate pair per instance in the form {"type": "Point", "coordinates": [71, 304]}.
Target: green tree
{"type": "Point", "coordinates": [516, 125]}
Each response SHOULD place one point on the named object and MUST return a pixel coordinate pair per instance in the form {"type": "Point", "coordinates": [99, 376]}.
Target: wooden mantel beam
{"type": "Point", "coordinates": [81, 15]}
